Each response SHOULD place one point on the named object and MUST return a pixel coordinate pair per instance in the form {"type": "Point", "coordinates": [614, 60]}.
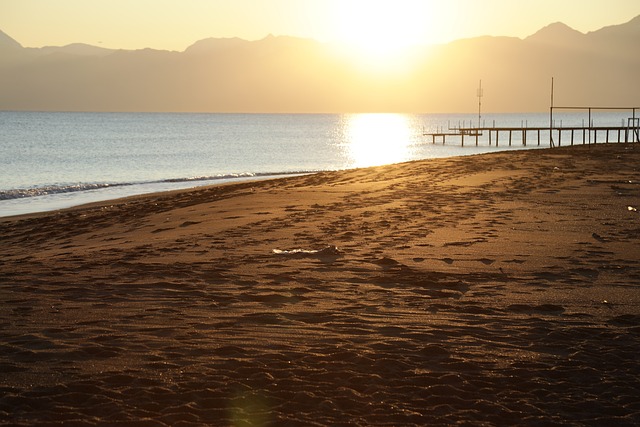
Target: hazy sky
{"type": "Point", "coordinates": [175, 24]}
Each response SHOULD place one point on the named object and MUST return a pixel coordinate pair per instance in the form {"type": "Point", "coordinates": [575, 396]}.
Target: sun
{"type": "Point", "coordinates": [380, 29]}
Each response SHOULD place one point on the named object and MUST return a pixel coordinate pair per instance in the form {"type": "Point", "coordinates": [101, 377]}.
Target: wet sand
{"type": "Point", "coordinates": [499, 289]}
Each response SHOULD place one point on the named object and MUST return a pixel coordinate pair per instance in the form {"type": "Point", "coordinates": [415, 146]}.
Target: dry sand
{"type": "Point", "coordinates": [499, 289]}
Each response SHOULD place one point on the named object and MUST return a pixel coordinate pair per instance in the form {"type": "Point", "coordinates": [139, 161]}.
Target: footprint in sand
{"type": "Point", "coordinates": [188, 223]}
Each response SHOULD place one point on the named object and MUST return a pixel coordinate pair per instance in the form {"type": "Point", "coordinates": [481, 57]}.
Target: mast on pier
{"type": "Point", "coordinates": [480, 95]}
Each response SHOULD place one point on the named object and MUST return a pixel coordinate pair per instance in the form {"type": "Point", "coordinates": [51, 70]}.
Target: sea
{"type": "Point", "coordinates": [55, 160]}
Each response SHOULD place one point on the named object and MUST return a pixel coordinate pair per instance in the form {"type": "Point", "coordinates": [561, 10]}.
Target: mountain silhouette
{"type": "Point", "coordinates": [7, 42]}
{"type": "Point", "coordinates": [289, 74]}
{"type": "Point", "coordinates": [557, 33]}
{"type": "Point", "coordinates": [629, 30]}
{"type": "Point", "coordinates": [76, 49]}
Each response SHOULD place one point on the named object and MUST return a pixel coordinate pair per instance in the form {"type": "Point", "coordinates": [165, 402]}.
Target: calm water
{"type": "Point", "coordinates": [54, 160]}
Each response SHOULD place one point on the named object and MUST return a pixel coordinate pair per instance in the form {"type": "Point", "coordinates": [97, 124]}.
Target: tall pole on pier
{"type": "Point", "coordinates": [480, 94]}
{"type": "Point", "coordinates": [551, 117]}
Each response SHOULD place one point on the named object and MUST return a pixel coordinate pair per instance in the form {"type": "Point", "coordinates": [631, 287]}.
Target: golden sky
{"type": "Point", "coordinates": [369, 24]}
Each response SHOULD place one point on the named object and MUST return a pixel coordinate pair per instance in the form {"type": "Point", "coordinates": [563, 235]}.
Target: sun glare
{"type": "Point", "coordinates": [377, 139]}
{"type": "Point", "coordinates": [380, 29]}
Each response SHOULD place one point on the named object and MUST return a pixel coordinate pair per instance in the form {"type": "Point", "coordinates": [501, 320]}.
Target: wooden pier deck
{"type": "Point", "coordinates": [555, 135]}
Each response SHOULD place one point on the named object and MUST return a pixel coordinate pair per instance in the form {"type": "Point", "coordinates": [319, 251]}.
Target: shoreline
{"type": "Point", "coordinates": [189, 184]}
{"type": "Point", "coordinates": [502, 288]}
{"type": "Point", "coordinates": [77, 198]}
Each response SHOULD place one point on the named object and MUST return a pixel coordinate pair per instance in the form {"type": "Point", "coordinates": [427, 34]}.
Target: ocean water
{"type": "Point", "coordinates": [54, 160]}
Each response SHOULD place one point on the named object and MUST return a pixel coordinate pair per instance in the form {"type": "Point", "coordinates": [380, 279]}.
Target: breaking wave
{"type": "Point", "coordinates": [22, 193]}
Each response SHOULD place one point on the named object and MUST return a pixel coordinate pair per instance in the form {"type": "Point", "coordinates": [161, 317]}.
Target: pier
{"type": "Point", "coordinates": [589, 134]}
{"type": "Point", "coordinates": [628, 132]}
{"type": "Point", "coordinates": [556, 136]}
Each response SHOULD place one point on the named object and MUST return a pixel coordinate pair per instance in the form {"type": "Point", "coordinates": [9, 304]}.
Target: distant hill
{"type": "Point", "coordinates": [287, 74]}
{"type": "Point", "coordinates": [75, 49]}
{"type": "Point", "coordinates": [557, 34]}
{"type": "Point", "coordinates": [7, 42]}
{"type": "Point", "coordinates": [629, 30]}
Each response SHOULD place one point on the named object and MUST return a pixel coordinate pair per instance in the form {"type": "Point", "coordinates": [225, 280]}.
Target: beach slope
{"type": "Point", "coordinates": [498, 289]}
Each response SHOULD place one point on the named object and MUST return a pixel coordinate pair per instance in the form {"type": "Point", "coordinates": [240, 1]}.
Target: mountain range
{"type": "Point", "coordinates": [288, 74]}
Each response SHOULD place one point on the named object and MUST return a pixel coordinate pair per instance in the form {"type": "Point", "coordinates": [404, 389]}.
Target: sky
{"type": "Point", "coordinates": [369, 24]}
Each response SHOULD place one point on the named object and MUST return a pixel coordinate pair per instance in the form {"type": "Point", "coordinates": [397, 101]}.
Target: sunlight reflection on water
{"type": "Point", "coordinates": [377, 139]}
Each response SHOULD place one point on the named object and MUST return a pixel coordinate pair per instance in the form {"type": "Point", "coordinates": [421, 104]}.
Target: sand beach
{"type": "Point", "coordinates": [494, 289]}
